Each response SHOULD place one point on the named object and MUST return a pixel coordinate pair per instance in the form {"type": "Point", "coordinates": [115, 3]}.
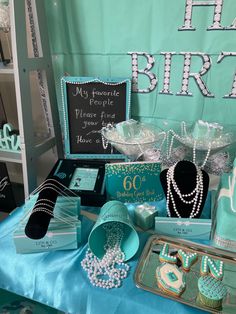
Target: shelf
{"type": "Point", "coordinates": [6, 69]}
{"type": "Point", "coordinates": [10, 156]}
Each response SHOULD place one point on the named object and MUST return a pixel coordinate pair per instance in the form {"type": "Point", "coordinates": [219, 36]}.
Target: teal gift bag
{"type": "Point", "coordinates": [225, 215]}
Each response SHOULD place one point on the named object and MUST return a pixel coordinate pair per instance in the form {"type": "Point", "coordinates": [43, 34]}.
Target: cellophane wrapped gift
{"type": "Point", "coordinates": [224, 231]}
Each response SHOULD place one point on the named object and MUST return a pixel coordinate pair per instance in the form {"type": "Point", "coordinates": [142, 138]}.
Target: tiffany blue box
{"type": "Point", "coordinates": [144, 215]}
{"type": "Point", "coordinates": [64, 231]}
{"type": "Point", "coordinates": [194, 229]}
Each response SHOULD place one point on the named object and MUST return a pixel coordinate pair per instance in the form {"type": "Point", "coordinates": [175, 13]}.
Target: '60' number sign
{"type": "Point", "coordinates": [133, 182]}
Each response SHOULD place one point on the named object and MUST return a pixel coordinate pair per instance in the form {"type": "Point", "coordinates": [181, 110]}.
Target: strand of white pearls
{"type": "Point", "coordinates": [66, 219]}
{"type": "Point", "coordinates": [196, 193]}
{"type": "Point", "coordinates": [206, 157]}
{"type": "Point", "coordinates": [108, 272]}
{"type": "Point", "coordinates": [104, 142]}
{"type": "Point", "coordinates": [174, 135]}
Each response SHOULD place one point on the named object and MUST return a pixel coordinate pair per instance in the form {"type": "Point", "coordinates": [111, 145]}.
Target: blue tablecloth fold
{"type": "Point", "coordinates": [57, 279]}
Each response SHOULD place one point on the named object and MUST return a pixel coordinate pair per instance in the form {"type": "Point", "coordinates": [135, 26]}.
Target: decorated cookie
{"type": "Point", "coordinates": [211, 292]}
{"type": "Point", "coordinates": [165, 256]}
{"type": "Point", "coordinates": [214, 267]}
{"type": "Point", "coordinates": [170, 279]}
{"type": "Point", "coordinates": [187, 259]}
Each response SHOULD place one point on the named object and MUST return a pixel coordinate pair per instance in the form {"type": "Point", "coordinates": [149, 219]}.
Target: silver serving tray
{"type": "Point", "coordinates": [145, 272]}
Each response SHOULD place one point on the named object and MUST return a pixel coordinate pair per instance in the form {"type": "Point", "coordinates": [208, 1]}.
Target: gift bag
{"type": "Point", "coordinates": [225, 213]}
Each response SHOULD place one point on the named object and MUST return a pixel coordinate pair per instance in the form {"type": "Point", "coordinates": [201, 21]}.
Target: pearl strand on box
{"type": "Point", "coordinates": [196, 193]}
{"type": "Point", "coordinates": [97, 269]}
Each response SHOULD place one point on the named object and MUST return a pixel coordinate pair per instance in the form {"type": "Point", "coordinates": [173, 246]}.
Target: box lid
{"type": "Point", "coordinates": [89, 104]}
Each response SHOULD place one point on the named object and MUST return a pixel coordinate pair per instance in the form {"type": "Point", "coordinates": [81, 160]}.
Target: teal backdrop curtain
{"type": "Point", "coordinates": [94, 38]}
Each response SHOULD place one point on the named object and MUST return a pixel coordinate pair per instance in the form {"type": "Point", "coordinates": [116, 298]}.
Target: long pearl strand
{"type": "Point", "coordinates": [184, 139]}
{"type": "Point", "coordinates": [194, 197]}
{"type": "Point", "coordinates": [109, 271]}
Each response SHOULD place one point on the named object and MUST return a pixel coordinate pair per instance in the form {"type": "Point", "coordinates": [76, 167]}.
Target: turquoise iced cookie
{"type": "Point", "coordinates": [164, 255]}
{"type": "Point", "coordinates": [214, 267]}
{"type": "Point", "coordinates": [187, 259]}
{"type": "Point", "coordinates": [170, 279]}
{"type": "Point", "coordinates": [211, 291]}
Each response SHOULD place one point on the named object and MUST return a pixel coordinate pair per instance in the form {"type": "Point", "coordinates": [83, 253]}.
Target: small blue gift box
{"type": "Point", "coordinates": [64, 230]}
{"type": "Point", "coordinates": [144, 215]}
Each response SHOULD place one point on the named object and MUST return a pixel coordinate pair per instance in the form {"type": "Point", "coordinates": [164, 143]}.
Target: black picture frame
{"type": "Point", "coordinates": [90, 103]}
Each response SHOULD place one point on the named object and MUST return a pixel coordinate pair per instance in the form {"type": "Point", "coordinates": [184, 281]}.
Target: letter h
{"type": "Point", "coordinates": [189, 10]}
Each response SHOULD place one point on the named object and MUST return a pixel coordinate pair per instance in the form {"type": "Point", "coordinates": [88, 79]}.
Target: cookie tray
{"type": "Point", "coordinates": [145, 277]}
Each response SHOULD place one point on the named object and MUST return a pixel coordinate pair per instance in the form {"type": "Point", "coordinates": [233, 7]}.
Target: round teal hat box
{"type": "Point", "coordinates": [114, 211]}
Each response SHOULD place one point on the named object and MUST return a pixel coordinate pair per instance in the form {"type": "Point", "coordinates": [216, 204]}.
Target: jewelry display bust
{"type": "Point", "coordinates": [185, 186]}
{"type": "Point", "coordinates": [38, 222]}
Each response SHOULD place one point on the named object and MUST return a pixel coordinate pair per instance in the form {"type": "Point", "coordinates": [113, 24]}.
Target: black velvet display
{"type": "Point", "coordinates": [38, 222]}
{"type": "Point", "coordinates": [185, 178]}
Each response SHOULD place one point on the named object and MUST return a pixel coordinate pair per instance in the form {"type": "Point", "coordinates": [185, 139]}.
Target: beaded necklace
{"type": "Point", "coordinates": [46, 205]}
{"type": "Point", "coordinates": [109, 271]}
{"type": "Point", "coordinates": [194, 197]}
{"type": "Point", "coordinates": [183, 139]}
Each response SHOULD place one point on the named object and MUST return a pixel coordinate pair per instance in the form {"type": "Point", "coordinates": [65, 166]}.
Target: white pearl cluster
{"type": "Point", "coordinates": [109, 271]}
{"type": "Point", "coordinates": [196, 193]}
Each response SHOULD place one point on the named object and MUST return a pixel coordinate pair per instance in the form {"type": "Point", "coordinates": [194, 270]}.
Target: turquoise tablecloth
{"type": "Point", "coordinates": [56, 279]}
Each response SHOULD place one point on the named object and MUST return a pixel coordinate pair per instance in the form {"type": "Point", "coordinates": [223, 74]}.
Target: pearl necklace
{"type": "Point", "coordinates": [196, 193]}
{"type": "Point", "coordinates": [104, 142]}
{"type": "Point", "coordinates": [109, 271]}
{"type": "Point", "coordinates": [182, 139]}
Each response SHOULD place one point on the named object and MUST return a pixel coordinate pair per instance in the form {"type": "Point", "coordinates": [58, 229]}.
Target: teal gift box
{"type": "Point", "coordinates": [194, 229]}
{"type": "Point", "coordinates": [144, 215]}
{"type": "Point", "coordinates": [64, 231]}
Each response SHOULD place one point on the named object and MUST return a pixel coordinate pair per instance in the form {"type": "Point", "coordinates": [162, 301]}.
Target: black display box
{"type": "Point", "coordinates": [85, 178]}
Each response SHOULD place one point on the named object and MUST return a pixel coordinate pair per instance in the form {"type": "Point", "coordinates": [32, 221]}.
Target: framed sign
{"type": "Point", "coordinates": [89, 104]}
{"type": "Point", "coordinates": [7, 200]}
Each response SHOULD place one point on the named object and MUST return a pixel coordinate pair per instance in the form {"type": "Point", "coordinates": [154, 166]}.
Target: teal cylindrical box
{"type": "Point", "coordinates": [114, 211]}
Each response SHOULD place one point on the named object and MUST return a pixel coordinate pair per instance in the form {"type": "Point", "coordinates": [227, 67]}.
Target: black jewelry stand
{"type": "Point", "coordinates": [185, 177]}
{"type": "Point", "coordinates": [38, 222]}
